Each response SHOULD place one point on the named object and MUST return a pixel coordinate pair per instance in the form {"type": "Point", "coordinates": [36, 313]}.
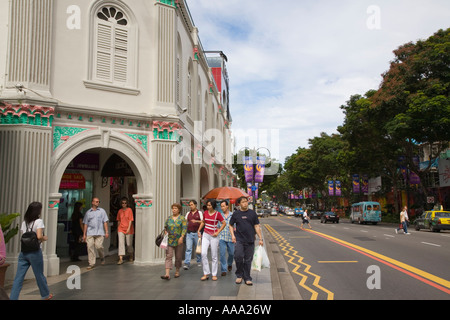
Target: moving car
{"type": "Point", "coordinates": [316, 215]}
{"type": "Point", "coordinates": [329, 216]}
{"type": "Point", "coordinates": [433, 220]}
{"type": "Point", "coordinates": [274, 212]}
{"type": "Point", "coordinates": [289, 212]}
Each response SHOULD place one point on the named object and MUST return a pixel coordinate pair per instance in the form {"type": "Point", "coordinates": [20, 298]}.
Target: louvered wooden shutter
{"type": "Point", "coordinates": [120, 54]}
{"type": "Point", "coordinates": [104, 58]}
{"type": "Point", "coordinates": [112, 53]}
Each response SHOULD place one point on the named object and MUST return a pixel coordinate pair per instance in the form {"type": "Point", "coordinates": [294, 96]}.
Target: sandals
{"type": "Point", "coordinates": [205, 277]}
{"type": "Point", "coordinates": [238, 280]}
{"type": "Point", "coordinates": [165, 277]}
{"type": "Point", "coordinates": [249, 283]}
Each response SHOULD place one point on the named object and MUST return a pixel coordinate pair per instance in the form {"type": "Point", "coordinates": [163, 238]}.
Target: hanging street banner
{"type": "Point", "coordinates": [331, 187]}
{"type": "Point", "coordinates": [338, 188]}
{"type": "Point", "coordinates": [248, 169]}
{"type": "Point", "coordinates": [365, 184]}
{"type": "Point", "coordinates": [260, 166]}
{"type": "Point", "coordinates": [249, 189]}
{"type": "Point", "coordinates": [355, 183]}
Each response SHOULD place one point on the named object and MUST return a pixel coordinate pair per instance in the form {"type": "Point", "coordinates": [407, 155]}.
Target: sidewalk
{"type": "Point", "coordinates": [132, 282]}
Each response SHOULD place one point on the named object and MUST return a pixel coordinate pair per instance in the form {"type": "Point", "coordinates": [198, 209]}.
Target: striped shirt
{"type": "Point", "coordinates": [211, 221]}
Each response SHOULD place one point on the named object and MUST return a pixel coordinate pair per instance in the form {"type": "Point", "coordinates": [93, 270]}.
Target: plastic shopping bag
{"type": "Point", "coordinates": [257, 259]}
{"type": "Point", "coordinates": [260, 259]}
{"type": "Point", "coordinates": [165, 242]}
{"type": "Point", "coordinates": [198, 250]}
{"type": "Point", "coordinates": [265, 259]}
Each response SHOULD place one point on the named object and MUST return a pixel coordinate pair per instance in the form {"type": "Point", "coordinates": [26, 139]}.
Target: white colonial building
{"type": "Point", "coordinates": [108, 98]}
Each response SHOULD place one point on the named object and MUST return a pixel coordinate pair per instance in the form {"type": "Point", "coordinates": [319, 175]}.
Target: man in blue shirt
{"type": "Point", "coordinates": [247, 225]}
{"type": "Point", "coordinates": [95, 230]}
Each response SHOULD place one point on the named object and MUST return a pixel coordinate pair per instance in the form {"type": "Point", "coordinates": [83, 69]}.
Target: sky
{"type": "Point", "coordinates": [293, 63]}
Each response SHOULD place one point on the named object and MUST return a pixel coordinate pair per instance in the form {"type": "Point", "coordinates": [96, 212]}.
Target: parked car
{"type": "Point", "coordinates": [289, 212]}
{"type": "Point", "coordinates": [316, 215]}
{"type": "Point", "coordinates": [274, 212]}
{"type": "Point", "coordinates": [329, 216]}
{"type": "Point", "coordinates": [433, 220]}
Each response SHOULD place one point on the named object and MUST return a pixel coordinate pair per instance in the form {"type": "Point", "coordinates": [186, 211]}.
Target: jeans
{"type": "Point", "coordinates": [405, 227]}
{"type": "Point", "coordinates": [36, 261]}
{"type": "Point", "coordinates": [243, 256]}
{"type": "Point", "coordinates": [191, 244]}
{"type": "Point", "coordinates": [224, 247]}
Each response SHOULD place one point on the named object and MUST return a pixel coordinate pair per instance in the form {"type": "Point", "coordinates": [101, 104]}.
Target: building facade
{"type": "Point", "coordinates": [108, 98]}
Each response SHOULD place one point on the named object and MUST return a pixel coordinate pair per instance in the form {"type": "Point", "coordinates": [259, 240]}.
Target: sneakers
{"type": "Point", "coordinates": [186, 267]}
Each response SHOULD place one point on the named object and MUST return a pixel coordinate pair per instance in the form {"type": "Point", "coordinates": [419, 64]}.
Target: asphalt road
{"type": "Point", "coordinates": [364, 262]}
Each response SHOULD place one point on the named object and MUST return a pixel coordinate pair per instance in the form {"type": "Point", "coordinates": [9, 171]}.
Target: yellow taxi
{"type": "Point", "coordinates": [434, 221]}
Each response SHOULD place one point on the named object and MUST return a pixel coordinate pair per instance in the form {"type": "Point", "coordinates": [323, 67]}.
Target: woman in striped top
{"type": "Point", "coordinates": [210, 238]}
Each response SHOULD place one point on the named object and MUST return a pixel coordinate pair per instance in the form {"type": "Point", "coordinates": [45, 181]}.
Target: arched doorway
{"type": "Point", "coordinates": [89, 175]}
{"type": "Point", "coordinates": [105, 143]}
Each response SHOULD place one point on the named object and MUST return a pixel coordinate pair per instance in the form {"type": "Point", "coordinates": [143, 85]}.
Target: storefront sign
{"type": "Point", "coordinates": [73, 181]}
{"type": "Point", "coordinates": [85, 161]}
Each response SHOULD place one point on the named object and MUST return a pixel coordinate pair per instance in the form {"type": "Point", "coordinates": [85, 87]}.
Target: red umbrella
{"type": "Point", "coordinates": [225, 193]}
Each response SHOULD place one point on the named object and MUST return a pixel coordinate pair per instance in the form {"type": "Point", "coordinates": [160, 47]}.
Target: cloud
{"type": "Point", "coordinates": [292, 63]}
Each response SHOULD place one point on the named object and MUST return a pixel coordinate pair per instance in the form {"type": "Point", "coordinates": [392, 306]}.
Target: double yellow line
{"type": "Point", "coordinates": [300, 267]}
{"type": "Point", "coordinates": [423, 276]}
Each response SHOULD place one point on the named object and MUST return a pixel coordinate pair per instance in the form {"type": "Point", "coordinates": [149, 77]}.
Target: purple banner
{"type": "Point", "coordinates": [355, 183]}
{"type": "Point", "coordinates": [331, 187]}
{"type": "Point", "coordinates": [365, 184]}
{"type": "Point", "coordinates": [248, 169]}
{"type": "Point", "coordinates": [260, 166]}
{"type": "Point", "coordinates": [338, 188]}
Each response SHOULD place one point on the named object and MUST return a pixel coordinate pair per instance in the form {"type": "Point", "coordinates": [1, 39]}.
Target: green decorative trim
{"type": "Point", "coordinates": [172, 3]}
{"type": "Point", "coordinates": [53, 204]}
{"type": "Point", "coordinates": [26, 114]}
{"type": "Point", "coordinates": [166, 131]}
{"type": "Point", "coordinates": [141, 203]}
{"type": "Point", "coordinates": [140, 139]}
{"type": "Point", "coordinates": [62, 134]}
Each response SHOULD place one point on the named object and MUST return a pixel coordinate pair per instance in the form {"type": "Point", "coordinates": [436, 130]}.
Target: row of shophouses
{"type": "Point", "coordinates": [108, 98]}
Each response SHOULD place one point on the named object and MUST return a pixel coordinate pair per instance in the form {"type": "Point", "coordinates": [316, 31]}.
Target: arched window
{"type": "Point", "coordinates": [113, 49]}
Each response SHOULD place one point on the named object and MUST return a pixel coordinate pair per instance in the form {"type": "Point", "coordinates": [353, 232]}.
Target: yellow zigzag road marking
{"type": "Point", "coordinates": [292, 254]}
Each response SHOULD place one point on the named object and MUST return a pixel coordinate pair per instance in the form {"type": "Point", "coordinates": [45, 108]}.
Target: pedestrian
{"type": "Point", "coordinates": [32, 222]}
{"type": "Point", "coordinates": [95, 231]}
{"type": "Point", "coordinates": [305, 220]}
{"type": "Point", "coordinates": [210, 238]}
{"type": "Point", "coordinates": [403, 221]}
{"type": "Point", "coordinates": [125, 230]}
{"type": "Point", "coordinates": [175, 226]}
{"type": "Point", "coordinates": [226, 244]}
{"type": "Point", "coordinates": [247, 224]}
{"type": "Point", "coordinates": [77, 231]}
{"type": "Point", "coordinates": [193, 219]}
